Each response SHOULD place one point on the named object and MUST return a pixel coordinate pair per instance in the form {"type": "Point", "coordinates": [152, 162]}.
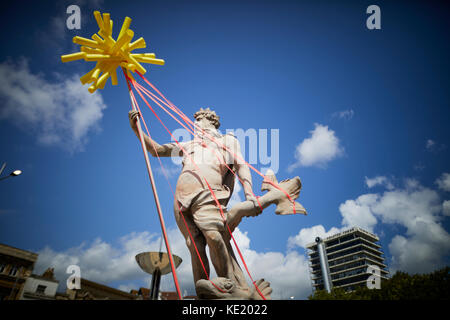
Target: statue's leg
{"type": "Point", "coordinates": [220, 256]}
{"type": "Point", "coordinates": [239, 277]}
{"type": "Point", "coordinates": [200, 243]}
{"type": "Point", "coordinates": [275, 195]}
{"type": "Point", "coordinates": [247, 209]}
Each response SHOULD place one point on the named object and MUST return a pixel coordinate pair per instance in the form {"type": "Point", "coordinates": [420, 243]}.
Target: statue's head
{"type": "Point", "coordinates": [207, 118]}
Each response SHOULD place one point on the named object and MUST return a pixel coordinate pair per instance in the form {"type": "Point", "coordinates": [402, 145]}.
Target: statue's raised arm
{"type": "Point", "coordinates": [155, 149]}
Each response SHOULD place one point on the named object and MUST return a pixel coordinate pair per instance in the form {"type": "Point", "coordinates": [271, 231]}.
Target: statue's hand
{"type": "Point", "coordinates": [132, 116]}
{"type": "Point", "coordinates": [252, 198]}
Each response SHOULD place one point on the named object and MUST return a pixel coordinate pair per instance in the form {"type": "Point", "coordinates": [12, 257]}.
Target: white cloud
{"type": "Point", "coordinates": [308, 235]}
{"type": "Point", "coordinates": [55, 36]}
{"type": "Point", "coordinates": [127, 287]}
{"type": "Point", "coordinates": [430, 144]}
{"type": "Point", "coordinates": [319, 149]}
{"type": "Point", "coordinates": [443, 182]}
{"type": "Point", "coordinates": [357, 213]}
{"type": "Point", "coordinates": [345, 114]}
{"type": "Point", "coordinates": [435, 147]}
{"type": "Point", "coordinates": [236, 195]}
{"type": "Point", "coordinates": [414, 255]}
{"type": "Point", "coordinates": [419, 210]}
{"type": "Point", "coordinates": [423, 247]}
{"type": "Point", "coordinates": [288, 273]}
{"type": "Point", "coordinates": [59, 113]}
{"type": "Point", "coordinates": [105, 263]}
{"type": "Point", "coordinates": [446, 207]}
{"type": "Point", "coordinates": [379, 180]}
{"type": "Point", "coordinates": [169, 171]}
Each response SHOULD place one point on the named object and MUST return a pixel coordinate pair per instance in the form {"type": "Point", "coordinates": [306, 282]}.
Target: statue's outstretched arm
{"type": "Point", "coordinates": [154, 148]}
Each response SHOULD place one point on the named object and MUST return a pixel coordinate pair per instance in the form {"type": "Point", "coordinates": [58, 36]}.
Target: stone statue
{"type": "Point", "coordinates": [49, 273]}
{"type": "Point", "coordinates": [203, 158]}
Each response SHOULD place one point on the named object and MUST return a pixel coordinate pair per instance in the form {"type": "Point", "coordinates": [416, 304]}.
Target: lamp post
{"type": "Point", "coordinates": [15, 173]}
{"type": "Point", "coordinates": [323, 259]}
{"type": "Point", "coordinates": [157, 264]}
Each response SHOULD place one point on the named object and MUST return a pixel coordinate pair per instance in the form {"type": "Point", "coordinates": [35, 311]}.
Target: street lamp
{"type": "Point", "coordinates": [15, 173]}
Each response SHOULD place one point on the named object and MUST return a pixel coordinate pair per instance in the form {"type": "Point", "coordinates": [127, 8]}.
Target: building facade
{"type": "Point", "coordinates": [16, 265]}
{"type": "Point", "coordinates": [346, 260]}
{"type": "Point", "coordinates": [91, 290]}
{"type": "Point", "coordinates": [40, 287]}
{"type": "Point", "coordinates": [18, 282]}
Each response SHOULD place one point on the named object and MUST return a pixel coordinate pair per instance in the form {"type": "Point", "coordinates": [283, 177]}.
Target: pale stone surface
{"type": "Point", "coordinates": [200, 220]}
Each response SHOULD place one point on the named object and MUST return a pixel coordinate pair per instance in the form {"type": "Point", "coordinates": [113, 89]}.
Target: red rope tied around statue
{"type": "Point", "coordinates": [189, 121]}
{"type": "Point", "coordinates": [139, 89]}
{"type": "Point", "coordinates": [161, 218]}
{"type": "Point", "coordinates": [137, 85]}
{"type": "Point", "coordinates": [171, 189]}
{"type": "Point", "coordinates": [151, 96]}
{"type": "Point", "coordinates": [212, 193]}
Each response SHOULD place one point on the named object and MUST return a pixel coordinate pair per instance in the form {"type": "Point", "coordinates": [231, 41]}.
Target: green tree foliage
{"type": "Point", "coordinates": [402, 286]}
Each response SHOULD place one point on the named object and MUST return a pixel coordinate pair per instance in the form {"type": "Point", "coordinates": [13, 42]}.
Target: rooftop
{"type": "Point", "coordinates": [18, 253]}
{"type": "Point", "coordinates": [344, 233]}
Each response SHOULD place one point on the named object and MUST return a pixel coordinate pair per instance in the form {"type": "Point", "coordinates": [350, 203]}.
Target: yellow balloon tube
{"type": "Point", "coordinates": [123, 40]}
{"type": "Point", "coordinates": [106, 23]}
{"type": "Point", "coordinates": [139, 67]}
{"type": "Point", "coordinates": [95, 75]}
{"type": "Point", "coordinates": [138, 44]}
{"type": "Point", "coordinates": [91, 50]}
{"type": "Point", "coordinates": [86, 42]}
{"type": "Point", "coordinates": [110, 53]}
{"type": "Point", "coordinates": [102, 80]}
{"type": "Point", "coordinates": [87, 77]}
{"type": "Point", "coordinates": [151, 60]}
{"type": "Point", "coordinates": [73, 56]}
{"type": "Point", "coordinates": [114, 81]}
{"type": "Point", "coordinates": [96, 38]}
{"type": "Point", "coordinates": [92, 88]}
{"type": "Point", "coordinates": [125, 25]}
{"type": "Point", "coordinates": [98, 18]}
{"type": "Point", "coordinates": [97, 57]}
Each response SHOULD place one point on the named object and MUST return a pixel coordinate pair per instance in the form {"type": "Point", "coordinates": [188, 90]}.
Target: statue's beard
{"type": "Point", "coordinates": [207, 132]}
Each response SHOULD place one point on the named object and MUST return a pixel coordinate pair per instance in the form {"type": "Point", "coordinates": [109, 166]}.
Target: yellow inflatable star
{"type": "Point", "coordinates": [109, 53]}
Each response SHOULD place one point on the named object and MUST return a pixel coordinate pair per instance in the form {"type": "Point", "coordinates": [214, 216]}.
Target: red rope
{"type": "Point", "coordinates": [138, 89]}
{"type": "Point", "coordinates": [134, 102]}
{"type": "Point", "coordinates": [170, 105]}
{"type": "Point", "coordinates": [150, 95]}
{"type": "Point", "coordinates": [173, 193]}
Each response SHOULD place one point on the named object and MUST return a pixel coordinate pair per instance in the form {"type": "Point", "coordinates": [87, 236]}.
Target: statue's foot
{"type": "Point", "coordinates": [280, 191]}
{"type": "Point", "coordinates": [222, 289]}
{"type": "Point", "coordinates": [226, 289]}
{"type": "Point", "coordinates": [264, 289]}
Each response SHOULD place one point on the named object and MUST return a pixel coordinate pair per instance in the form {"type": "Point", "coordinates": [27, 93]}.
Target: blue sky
{"type": "Point", "coordinates": [362, 118]}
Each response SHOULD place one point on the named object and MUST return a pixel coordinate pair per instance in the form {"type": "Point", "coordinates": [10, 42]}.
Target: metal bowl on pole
{"type": "Point", "coordinates": [157, 264]}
